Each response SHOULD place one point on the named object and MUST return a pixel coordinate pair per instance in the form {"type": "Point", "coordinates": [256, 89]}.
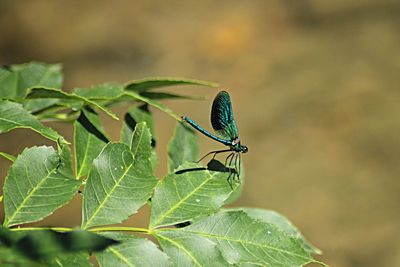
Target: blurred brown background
{"type": "Point", "coordinates": [314, 84]}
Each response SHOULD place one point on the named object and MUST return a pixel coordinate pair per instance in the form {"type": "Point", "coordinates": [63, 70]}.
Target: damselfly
{"type": "Point", "coordinates": [224, 125]}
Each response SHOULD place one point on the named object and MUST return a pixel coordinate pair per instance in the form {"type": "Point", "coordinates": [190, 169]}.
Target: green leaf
{"type": "Point", "coordinates": [242, 239]}
{"type": "Point", "coordinates": [89, 140]}
{"type": "Point", "coordinates": [182, 147]}
{"type": "Point", "coordinates": [71, 260]}
{"type": "Point", "coordinates": [120, 181]}
{"type": "Point", "coordinates": [13, 115]}
{"type": "Point", "coordinates": [16, 80]}
{"type": "Point", "coordinates": [165, 95]}
{"type": "Point", "coordinates": [8, 84]}
{"type": "Point", "coordinates": [106, 91]}
{"type": "Point", "coordinates": [190, 250]}
{"type": "Point", "coordinates": [39, 105]}
{"type": "Point", "coordinates": [7, 156]}
{"type": "Point", "coordinates": [134, 116]}
{"type": "Point", "coordinates": [270, 216]}
{"type": "Point", "coordinates": [47, 244]}
{"type": "Point", "coordinates": [132, 251]}
{"type": "Point", "coordinates": [39, 182]}
{"type": "Point", "coordinates": [46, 92]}
{"type": "Point", "coordinates": [188, 194]}
{"type": "Point", "coordinates": [156, 82]}
{"type": "Point", "coordinates": [153, 103]}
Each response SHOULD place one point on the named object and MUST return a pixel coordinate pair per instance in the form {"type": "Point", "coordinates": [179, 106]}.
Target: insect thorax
{"type": "Point", "coordinates": [236, 145]}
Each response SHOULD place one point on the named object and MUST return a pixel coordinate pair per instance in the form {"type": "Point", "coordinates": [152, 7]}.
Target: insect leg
{"type": "Point", "coordinates": [232, 171]}
{"type": "Point", "coordinates": [226, 160]}
{"type": "Point", "coordinates": [237, 168]}
{"type": "Point", "coordinates": [240, 161]}
{"type": "Point", "coordinates": [215, 152]}
{"type": "Point", "coordinates": [231, 160]}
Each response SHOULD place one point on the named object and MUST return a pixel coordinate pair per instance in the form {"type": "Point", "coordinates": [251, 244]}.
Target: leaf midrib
{"type": "Point", "coordinates": [13, 122]}
{"type": "Point", "coordinates": [245, 242]}
{"type": "Point", "coordinates": [107, 196]}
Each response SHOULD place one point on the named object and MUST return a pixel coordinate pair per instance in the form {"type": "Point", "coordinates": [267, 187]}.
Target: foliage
{"type": "Point", "coordinates": [117, 180]}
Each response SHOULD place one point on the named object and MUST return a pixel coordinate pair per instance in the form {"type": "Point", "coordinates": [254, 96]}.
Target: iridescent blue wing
{"type": "Point", "coordinates": [222, 119]}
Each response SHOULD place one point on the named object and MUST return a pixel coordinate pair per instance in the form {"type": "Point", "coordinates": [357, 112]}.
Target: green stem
{"type": "Point", "coordinates": [96, 229]}
{"type": "Point", "coordinates": [121, 229]}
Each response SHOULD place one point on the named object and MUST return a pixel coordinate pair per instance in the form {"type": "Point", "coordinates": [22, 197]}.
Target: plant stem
{"type": "Point", "coordinates": [96, 229]}
{"type": "Point", "coordinates": [121, 228]}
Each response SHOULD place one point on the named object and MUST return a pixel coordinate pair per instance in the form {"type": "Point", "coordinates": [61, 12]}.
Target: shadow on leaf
{"type": "Point", "coordinates": [212, 165]}
{"type": "Point", "coordinates": [90, 127]}
{"type": "Point", "coordinates": [131, 122]}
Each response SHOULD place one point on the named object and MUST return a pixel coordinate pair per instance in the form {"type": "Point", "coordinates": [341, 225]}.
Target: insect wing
{"type": "Point", "coordinates": [222, 116]}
